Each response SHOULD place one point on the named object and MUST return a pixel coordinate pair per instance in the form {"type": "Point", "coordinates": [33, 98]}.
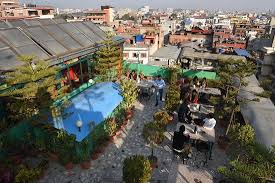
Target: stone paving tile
{"type": "Point", "coordinates": [108, 167]}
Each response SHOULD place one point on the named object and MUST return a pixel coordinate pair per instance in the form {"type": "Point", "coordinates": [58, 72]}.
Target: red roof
{"type": "Point", "coordinates": [202, 31]}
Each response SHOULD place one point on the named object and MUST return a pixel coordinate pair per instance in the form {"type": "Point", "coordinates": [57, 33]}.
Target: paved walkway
{"type": "Point", "coordinates": [108, 168]}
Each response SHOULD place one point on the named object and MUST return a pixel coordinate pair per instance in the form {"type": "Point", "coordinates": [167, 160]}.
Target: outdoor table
{"type": "Point", "coordinates": [210, 91]}
{"type": "Point", "coordinates": [206, 135]}
{"type": "Point", "coordinates": [203, 134]}
{"type": "Point", "coordinates": [145, 87]}
{"type": "Point", "coordinates": [145, 84]}
{"type": "Point", "coordinates": [201, 108]}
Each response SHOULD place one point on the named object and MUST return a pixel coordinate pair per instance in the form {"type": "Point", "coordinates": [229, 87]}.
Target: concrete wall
{"type": "Point", "coordinates": [135, 54]}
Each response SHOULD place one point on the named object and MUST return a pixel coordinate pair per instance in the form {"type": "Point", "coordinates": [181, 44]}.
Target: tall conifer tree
{"type": "Point", "coordinates": [35, 89]}
{"type": "Point", "coordinates": [109, 64]}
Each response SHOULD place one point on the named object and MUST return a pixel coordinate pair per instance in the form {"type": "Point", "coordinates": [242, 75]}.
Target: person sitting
{"type": "Point", "coordinates": [204, 83]}
{"type": "Point", "coordinates": [208, 123]}
{"type": "Point", "coordinates": [195, 83]}
{"type": "Point", "coordinates": [134, 75]}
{"type": "Point", "coordinates": [184, 113]}
{"type": "Point", "coordinates": [184, 88]}
{"type": "Point", "coordinates": [194, 98]}
{"type": "Point", "coordinates": [180, 140]}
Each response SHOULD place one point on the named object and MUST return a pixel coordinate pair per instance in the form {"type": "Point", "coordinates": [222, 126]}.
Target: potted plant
{"type": "Point", "coordinates": [86, 163]}
{"type": "Point", "coordinates": [111, 127]}
{"type": "Point", "coordinates": [66, 160]}
{"type": "Point", "coordinates": [153, 133]}
{"type": "Point", "coordinates": [173, 93]}
{"type": "Point", "coordinates": [163, 118]}
{"type": "Point", "coordinates": [129, 92]}
{"type": "Point", "coordinates": [25, 175]}
{"type": "Point", "coordinates": [136, 169]}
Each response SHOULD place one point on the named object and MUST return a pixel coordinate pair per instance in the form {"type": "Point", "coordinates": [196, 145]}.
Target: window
{"type": "Point", "coordinates": [135, 55]}
{"type": "Point", "coordinates": [126, 55]}
{"type": "Point", "coordinates": [143, 55]}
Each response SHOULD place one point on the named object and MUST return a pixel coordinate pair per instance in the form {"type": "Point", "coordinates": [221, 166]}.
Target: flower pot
{"type": "Point", "coordinates": [95, 156]}
{"type": "Point", "coordinates": [69, 166]}
{"type": "Point", "coordinates": [112, 139]}
{"type": "Point", "coordinates": [170, 119]}
{"type": "Point", "coordinates": [53, 157]}
{"type": "Point", "coordinates": [153, 161]}
{"type": "Point", "coordinates": [118, 132]}
{"type": "Point", "coordinates": [154, 165]}
{"type": "Point", "coordinates": [85, 165]}
{"type": "Point", "coordinates": [128, 114]}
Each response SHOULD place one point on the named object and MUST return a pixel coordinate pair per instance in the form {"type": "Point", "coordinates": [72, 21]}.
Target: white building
{"type": "Point", "coordinates": [136, 53]}
{"type": "Point", "coordinates": [144, 10]}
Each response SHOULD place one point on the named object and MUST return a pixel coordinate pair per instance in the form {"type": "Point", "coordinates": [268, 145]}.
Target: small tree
{"type": "Point", "coordinates": [243, 135]}
{"type": "Point", "coordinates": [136, 169]}
{"type": "Point", "coordinates": [173, 93]}
{"type": "Point", "coordinates": [162, 117]}
{"type": "Point", "coordinates": [35, 88]}
{"type": "Point", "coordinates": [153, 133]}
{"type": "Point", "coordinates": [231, 75]}
{"type": "Point", "coordinates": [109, 60]}
{"type": "Point", "coordinates": [129, 92]}
{"type": "Point", "coordinates": [254, 163]}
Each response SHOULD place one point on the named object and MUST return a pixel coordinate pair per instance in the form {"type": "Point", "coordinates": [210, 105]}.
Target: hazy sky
{"type": "Point", "coordinates": [207, 4]}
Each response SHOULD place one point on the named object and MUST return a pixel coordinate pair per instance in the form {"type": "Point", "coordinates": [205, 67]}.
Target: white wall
{"type": "Point", "coordinates": [135, 50]}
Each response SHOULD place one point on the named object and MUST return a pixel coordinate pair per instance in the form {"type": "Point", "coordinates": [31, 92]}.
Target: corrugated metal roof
{"type": "Point", "coordinates": [3, 25]}
{"type": "Point", "coordinates": [46, 38]}
{"type": "Point", "coordinates": [168, 52]}
{"type": "Point", "coordinates": [7, 57]}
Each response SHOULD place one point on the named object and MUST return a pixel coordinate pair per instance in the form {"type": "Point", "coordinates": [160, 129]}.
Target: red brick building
{"type": "Point", "coordinates": [204, 37]}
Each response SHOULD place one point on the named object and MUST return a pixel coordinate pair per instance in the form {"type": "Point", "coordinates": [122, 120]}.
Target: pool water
{"type": "Point", "coordinates": [90, 107]}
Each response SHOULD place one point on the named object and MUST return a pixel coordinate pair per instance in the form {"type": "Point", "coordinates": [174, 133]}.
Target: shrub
{"type": "Point", "coordinates": [27, 175]}
{"type": "Point", "coordinates": [111, 126]}
{"type": "Point", "coordinates": [172, 98]}
{"type": "Point", "coordinates": [129, 91]}
{"type": "Point", "coordinates": [136, 169]}
{"type": "Point", "coordinates": [162, 117]}
{"type": "Point", "coordinates": [242, 134]}
{"type": "Point", "coordinates": [153, 133]}
{"type": "Point", "coordinates": [265, 94]}
{"type": "Point", "coordinates": [244, 172]}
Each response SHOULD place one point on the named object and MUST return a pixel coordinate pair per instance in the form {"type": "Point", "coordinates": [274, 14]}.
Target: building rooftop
{"type": "Point", "coordinates": [261, 115]}
{"type": "Point", "coordinates": [48, 39]}
{"type": "Point", "coordinates": [169, 52]}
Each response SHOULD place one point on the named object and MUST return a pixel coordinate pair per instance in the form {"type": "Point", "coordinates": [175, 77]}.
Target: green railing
{"type": "Point", "coordinates": [73, 93]}
{"type": "Point", "coordinates": [149, 70]}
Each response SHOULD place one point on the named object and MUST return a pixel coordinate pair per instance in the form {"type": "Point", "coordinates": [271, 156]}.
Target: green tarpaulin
{"type": "Point", "coordinates": [149, 70]}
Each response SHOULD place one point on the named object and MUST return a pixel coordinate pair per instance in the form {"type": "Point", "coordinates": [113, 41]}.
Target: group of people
{"type": "Point", "coordinates": [190, 96]}
{"type": "Point", "coordinates": [190, 90]}
{"type": "Point", "coordinates": [134, 75]}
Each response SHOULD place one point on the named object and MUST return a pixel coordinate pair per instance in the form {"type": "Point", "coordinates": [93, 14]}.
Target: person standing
{"type": "Point", "coordinates": [159, 85]}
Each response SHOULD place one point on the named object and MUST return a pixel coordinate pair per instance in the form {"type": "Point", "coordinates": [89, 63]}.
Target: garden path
{"type": "Point", "coordinates": [108, 167]}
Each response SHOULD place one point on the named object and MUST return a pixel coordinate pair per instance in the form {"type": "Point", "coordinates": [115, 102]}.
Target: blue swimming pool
{"type": "Point", "coordinates": [92, 105]}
